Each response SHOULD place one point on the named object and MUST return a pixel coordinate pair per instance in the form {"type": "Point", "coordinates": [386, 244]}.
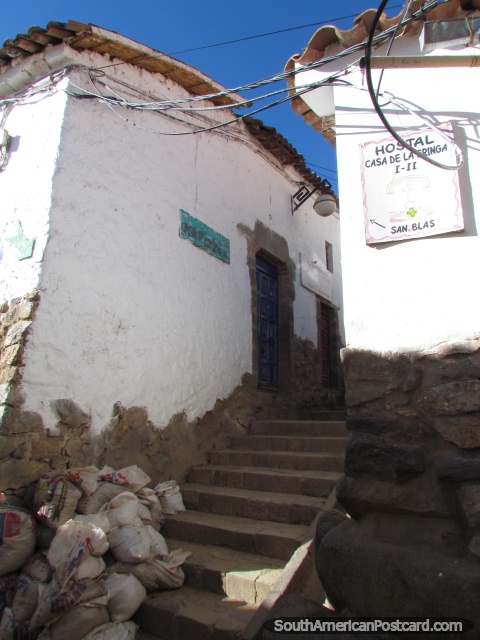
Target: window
{"type": "Point", "coordinates": [329, 256]}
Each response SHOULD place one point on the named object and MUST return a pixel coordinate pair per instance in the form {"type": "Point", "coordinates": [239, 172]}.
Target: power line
{"type": "Point", "coordinates": [373, 96]}
{"type": "Point", "coordinates": [161, 105]}
{"type": "Point", "coordinates": [244, 39]}
{"type": "Point", "coordinates": [380, 38]}
{"type": "Point", "coordinates": [110, 102]}
{"type": "Point", "coordinates": [323, 168]}
{"type": "Point", "coordinates": [270, 33]}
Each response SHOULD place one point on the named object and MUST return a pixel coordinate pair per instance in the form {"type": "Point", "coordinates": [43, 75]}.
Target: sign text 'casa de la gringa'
{"type": "Point", "coordinates": [404, 196]}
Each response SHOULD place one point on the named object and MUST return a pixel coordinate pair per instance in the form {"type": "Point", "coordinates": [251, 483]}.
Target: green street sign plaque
{"type": "Point", "coordinates": [204, 237]}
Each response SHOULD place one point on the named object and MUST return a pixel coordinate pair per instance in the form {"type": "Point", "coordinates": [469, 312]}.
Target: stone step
{"type": "Point", "coordinates": [308, 483]}
{"type": "Point", "coordinates": [332, 414]}
{"type": "Point", "coordinates": [283, 413]}
{"type": "Point", "coordinates": [194, 614]}
{"type": "Point", "coordinates": [334, 428]}
{"type": "Point", "coordinates": [246, 503]}
{"type": "Point", "coordinates": [277, 459]}
{"type": "Point", "coordinates": [260, 537]}
{"type": "Point", "coordinates": [143, 635]}
{"type": "Point", "coordinates": [236, 574]}
{"type": "Point", "coordinates": [320, 444]}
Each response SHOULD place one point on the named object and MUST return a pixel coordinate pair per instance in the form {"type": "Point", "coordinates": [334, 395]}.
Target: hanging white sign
{"type": "Point", "coordinates": [315, 276]}
{"type": "Point", "coordinates": [404, 196]}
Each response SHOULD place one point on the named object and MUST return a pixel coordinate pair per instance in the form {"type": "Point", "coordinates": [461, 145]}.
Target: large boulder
{"type": "Point", "coordinates": [380, 579]}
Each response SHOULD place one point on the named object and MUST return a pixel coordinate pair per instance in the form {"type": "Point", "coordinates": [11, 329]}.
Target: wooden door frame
{"type": "Point", "coordinates": [336, 375]}
{"type": "Point", "coordinates": [273, 248]}
{"type": "Point", "coordinates": [269, 269]}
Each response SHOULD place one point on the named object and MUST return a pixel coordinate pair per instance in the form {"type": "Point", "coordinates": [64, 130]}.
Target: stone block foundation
{"type": "Point", "coordinates": [411, 486]}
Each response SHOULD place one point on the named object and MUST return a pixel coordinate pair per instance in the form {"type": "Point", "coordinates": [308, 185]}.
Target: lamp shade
{"type": "Point", "coordinates": [325, 205]}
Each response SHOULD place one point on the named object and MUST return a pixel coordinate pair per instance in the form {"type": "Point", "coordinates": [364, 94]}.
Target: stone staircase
{"type": "Point", "coordinates": [248, 511]}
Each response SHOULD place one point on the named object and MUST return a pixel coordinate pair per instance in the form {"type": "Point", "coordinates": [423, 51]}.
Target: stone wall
{"type": "Point", "coordinates": [22, 444]}
{"type": "Point", "coordinates": [307, 392]}
{"type": "Point", "coordinates": [28, 448]}
{"type": "Point", "coordinates": [30, 445]}
{"type": "Point", "coordinates": [411, 485]}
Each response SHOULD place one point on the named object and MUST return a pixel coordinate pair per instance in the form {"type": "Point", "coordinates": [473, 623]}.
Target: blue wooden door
{"type": "Point", "coordinates": [267, 321]}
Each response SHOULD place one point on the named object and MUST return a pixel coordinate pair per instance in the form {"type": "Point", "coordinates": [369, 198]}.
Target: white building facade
{"type": "Point", "coordinates": [131, 246]}
{"type": "Point", "coordinates": [411, 253]}
{"type": "Point", "coordinates": [374, 284]}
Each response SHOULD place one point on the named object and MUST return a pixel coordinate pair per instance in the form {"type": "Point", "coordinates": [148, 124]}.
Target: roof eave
{"type": "Point", "coordinates": [118, 48]}
{"type": "Point", "coordinates": [330, 34]}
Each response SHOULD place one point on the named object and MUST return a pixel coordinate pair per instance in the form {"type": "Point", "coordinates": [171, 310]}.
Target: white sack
{"type": "Point", "coordinates": [37, 567]}
{"type": "Point", "coordinates": [131, 544]}
{"type": "Point", "coordinates": [103, 494]}
{"type": "Point", "coordinates": [143, 512]}
{"type": "Point", "coordinates": [17, 538]}
{"type": "Point", "coordinates": [125, 595]}
{"type": "Point", "coordinates": [86, 478]}
{"type": "Point", "coordinates": [73, 542]}
{"type": "Point", "coordinates": [113, 631]}
{"type": "Point", "coordinates": [122, 510]}
{"type": "Point", "coordinates": [27, 595]}
{"type": "Point", "coordinates": [55, 499]}
{"type": "Point", "coordinates": [76, 623]}
{"type": "Point", "coordinates": [149, 498]}
{"type": "Point", "coordinates": [8, 624]}
{"type": "Point", "coordinates": [132, 477]}
{"type": "Point", "coordinates": [90, 567]}
{"type": "Point", "coordinates": [99, 520]}
{"type": "Point", "coordinates": [157, 574]}
{"type": "Point", "coordinates": [170, 496]}
{"type": "Point", "coordinates": [158, 541]}
{"type": "Point", "coordinates": [55, 601]}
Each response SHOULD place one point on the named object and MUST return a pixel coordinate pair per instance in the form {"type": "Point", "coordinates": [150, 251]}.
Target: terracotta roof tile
{"type": "Point", "coordinates": [330, 34]}
{"type": "Point", "coordinates": [81, 37]}
{"type": "Point", "coordinates": [284, 152]}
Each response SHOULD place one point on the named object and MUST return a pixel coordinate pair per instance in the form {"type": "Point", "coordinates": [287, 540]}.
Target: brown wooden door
{"type": "Point", "coordinates": [325, 339]}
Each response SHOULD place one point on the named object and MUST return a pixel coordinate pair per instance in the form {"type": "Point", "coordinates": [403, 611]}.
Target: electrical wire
{"type": "Point", "coordinates": [406, 9]}
{"type": "Point", "coordinates": [163, 106]}
{"type": "Point", "coordinates": [36, 91]}
{"type": "Point", "coordinates": [378, 108]}
{"type": "Point", "coordinates": [310, 164]}
{"type": "Point", "coordinates": [311, 87]}
{"type": "Point", "coordinates": [244, 39]}
{"type": "Point", "coordinates": [379, 38]}
{"type": "Point", "coordinates": [269, 33]}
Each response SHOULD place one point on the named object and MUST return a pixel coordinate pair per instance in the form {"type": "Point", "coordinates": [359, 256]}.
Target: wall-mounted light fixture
{"type": "Point", "coordinates": [323, 204]}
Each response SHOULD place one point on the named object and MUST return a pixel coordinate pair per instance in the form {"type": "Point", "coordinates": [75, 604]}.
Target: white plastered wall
{"type": "Point", "coordinates": [130, 311]}
{"type": "Point", "coordinates": [26, 187]}
{"type": "Point", "coordinates": [413, 294]}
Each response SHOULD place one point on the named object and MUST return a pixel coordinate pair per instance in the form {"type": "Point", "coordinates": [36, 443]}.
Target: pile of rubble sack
{"type": "Point", "coordinates": [80, 563]}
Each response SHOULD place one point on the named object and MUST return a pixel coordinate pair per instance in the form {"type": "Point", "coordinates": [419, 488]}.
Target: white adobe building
{"type": "Point", "coordinates": [437, 304]}
{"type": "Point", "coordinates": [411, 256]}
{"type": "Point", "coordinates": [108, 301]}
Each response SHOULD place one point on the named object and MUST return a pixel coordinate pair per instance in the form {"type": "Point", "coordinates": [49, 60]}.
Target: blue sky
{"type": "Point", "coordinates": [171, 27]}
